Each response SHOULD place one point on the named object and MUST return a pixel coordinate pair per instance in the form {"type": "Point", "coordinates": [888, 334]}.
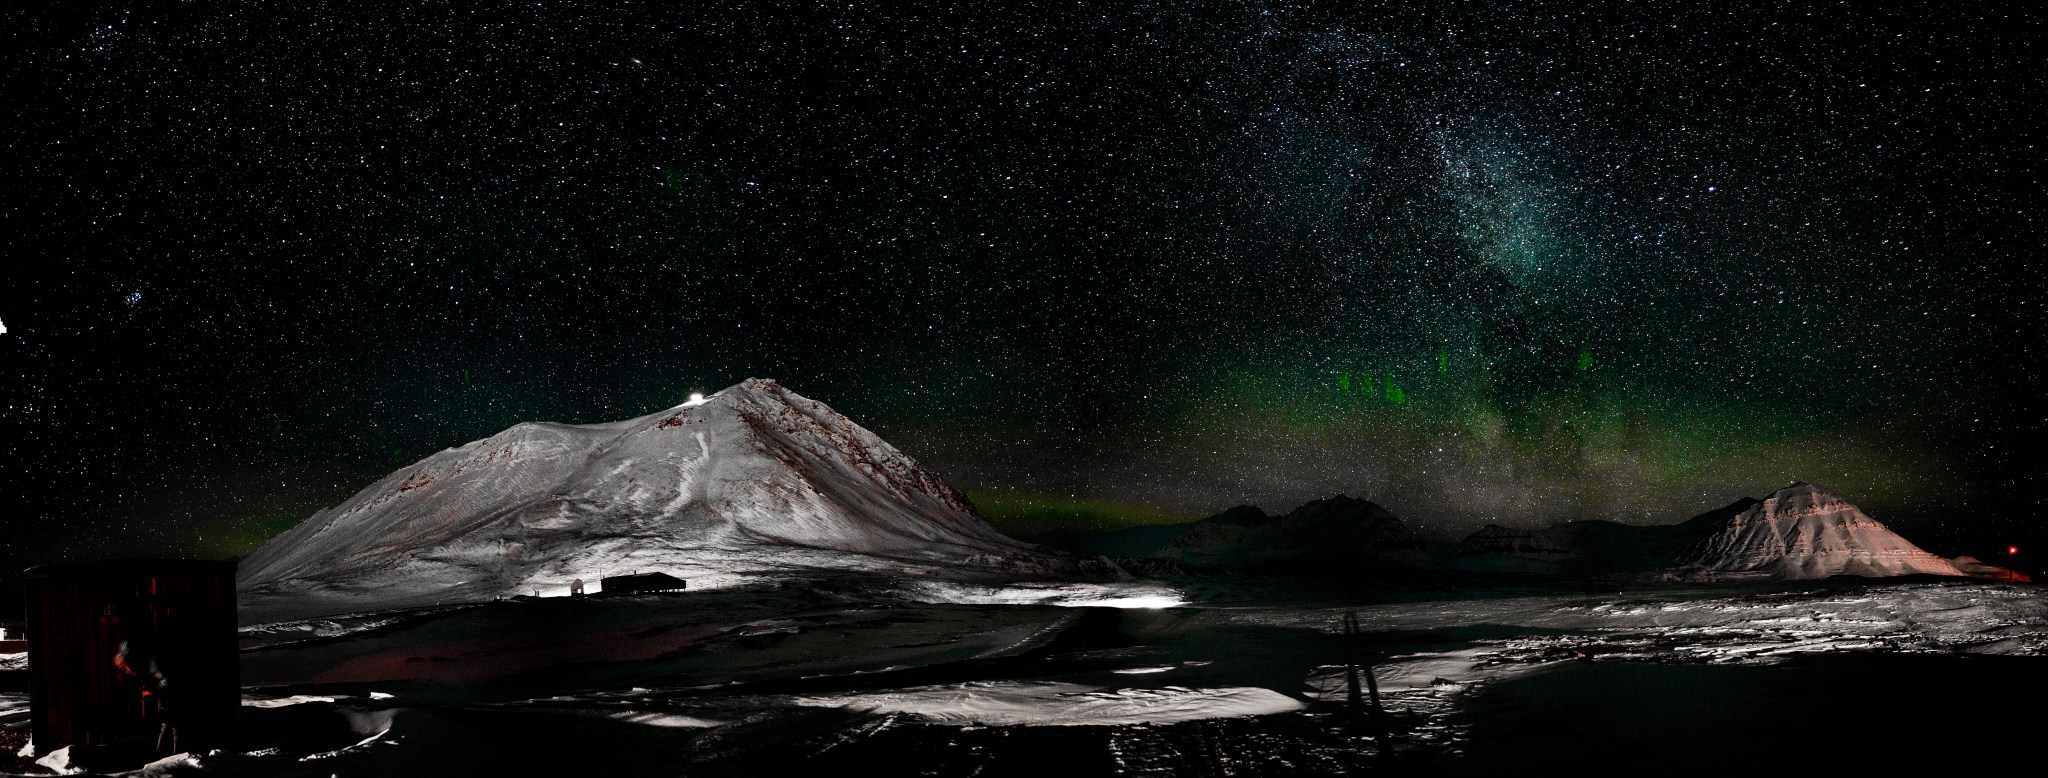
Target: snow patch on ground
{"type": "Point", "coordinates": [360, 745]}
{"type": "Point", "coordinates": [1068, 595]}
{"type": "Point", "coordinates": [257, 701]}
{"type": "Point", "coordinates": [280, 633]}
{"type": "Point", "coordinates": [1002, 703]}
{"type": "Point", "coordinates": [1441, 671]}
{"type": "Point", "coordinates": [59, 762]}
{"type": "Point", "coordinates": [1427, 684]}
{"type": "Point", "coordinates": [14, 661]}
{"type": "Point", "coordinates": [665, 720]}
{"type": "Point", "coordinates": [1958, 617]}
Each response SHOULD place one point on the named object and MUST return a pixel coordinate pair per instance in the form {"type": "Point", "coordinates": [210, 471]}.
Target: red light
{"type": "Point", "coordinates": [2012, 550]}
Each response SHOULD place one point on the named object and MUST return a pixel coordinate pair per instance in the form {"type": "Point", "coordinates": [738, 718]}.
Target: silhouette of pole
{"type": "Point", "coordinates": [1372, 687]}
{"type": "Point", "coordinates": [1353, 700]}
{"type": "Point", "coordinates": [1372, 684]}
{"type": "Point", "coordinates": [1381, 729]}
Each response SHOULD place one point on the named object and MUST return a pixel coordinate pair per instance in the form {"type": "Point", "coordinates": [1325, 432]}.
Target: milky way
{"type": "Point", "coordinates": [1094, 263]}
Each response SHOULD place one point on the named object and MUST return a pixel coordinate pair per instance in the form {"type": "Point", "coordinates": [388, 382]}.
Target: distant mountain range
{"type": "Point", "coordinates": [1799, 532]}
{"type": "Point", "coordinates": [751, 479]}
{"type": "Point", "coordinates": [757, 480]}
{"type": "Point", "coordinates": [1333, 528]}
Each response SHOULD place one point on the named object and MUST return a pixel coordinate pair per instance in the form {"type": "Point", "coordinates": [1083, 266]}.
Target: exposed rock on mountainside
{"type": "Point", "coordinates": [1804, 531]}
{"type": "Point", "coordinates": [750, 479]}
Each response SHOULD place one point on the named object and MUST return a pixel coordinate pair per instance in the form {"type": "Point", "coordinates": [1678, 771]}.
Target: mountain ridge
{"type": "Point", "coordinates": [1804, 532]}
{"type": "Point", "coordinates": [750, 479]}
{"type": "Point", "coordinates": [1338, 527]}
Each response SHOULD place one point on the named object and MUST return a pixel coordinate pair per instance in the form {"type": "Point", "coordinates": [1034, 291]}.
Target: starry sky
{"type": "Point", "coordinates": [1094, 263]}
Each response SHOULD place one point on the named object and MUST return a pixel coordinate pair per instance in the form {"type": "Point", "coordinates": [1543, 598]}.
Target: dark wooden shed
{"type": "Point", "coordinates": [643, 582]}
{"type": "Point", "coordinates": [133, 653]}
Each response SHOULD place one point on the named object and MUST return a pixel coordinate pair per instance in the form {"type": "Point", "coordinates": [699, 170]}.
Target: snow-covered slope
{"type": "Point", "coordinates": [749, 479]}
{"type": "Point", "coordinates": [1804, 531]}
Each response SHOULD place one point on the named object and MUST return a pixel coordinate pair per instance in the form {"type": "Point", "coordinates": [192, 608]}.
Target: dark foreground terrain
{"type": "Point", "coordinates": [831, 678]}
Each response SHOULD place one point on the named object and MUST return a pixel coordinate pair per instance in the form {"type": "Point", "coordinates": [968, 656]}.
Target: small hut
{"type": "Point", "coordinates": [643, 582]}
{"type": "Point", "coordinates": [135, 654]}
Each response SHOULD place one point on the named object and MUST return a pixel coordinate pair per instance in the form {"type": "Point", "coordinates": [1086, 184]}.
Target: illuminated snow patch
{"type": "Point", "coordinates": [364, 743]}
{"type": "Point", "coordinates": [281, 632]}
{"type": "Point", "coordinates": [1062, 704]}
{"type": "Point", "coordinates": [1430, 674]}
{"type": "Point", "coordinates": [1066, 595]}
{"type": "Point", "coordinates": [665, 720]}
{"type": "Point", "coordinates": [252, 701]}
{"type": "Point", "coordinates": [1142, 601]}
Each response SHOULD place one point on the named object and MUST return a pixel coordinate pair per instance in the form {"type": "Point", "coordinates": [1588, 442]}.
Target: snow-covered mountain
{"type": "Point", "coordinates": [1804, 531]}
{"type": "Point", "coordinates": [752, 478]}
{"type": "Point", "coordinates": [1799, 532]}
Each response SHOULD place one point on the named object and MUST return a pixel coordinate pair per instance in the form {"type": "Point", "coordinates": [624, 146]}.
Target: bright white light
{"type": "Point", "coordinates": [1141, 601]}
{"type": "Point", "coordinates": [696, 397]}
{"type": "Point", "coordinates": [3, 328]}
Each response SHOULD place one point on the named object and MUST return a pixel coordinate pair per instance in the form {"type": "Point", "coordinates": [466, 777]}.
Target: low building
{"type": "Point", "coordinates": [135, 654]}
{"type": "Point", "coordinates": [643, 582]}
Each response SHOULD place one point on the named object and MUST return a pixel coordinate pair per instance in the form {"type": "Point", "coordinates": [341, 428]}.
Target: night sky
{"type": "Point", "coordinates": [1093, 263]}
